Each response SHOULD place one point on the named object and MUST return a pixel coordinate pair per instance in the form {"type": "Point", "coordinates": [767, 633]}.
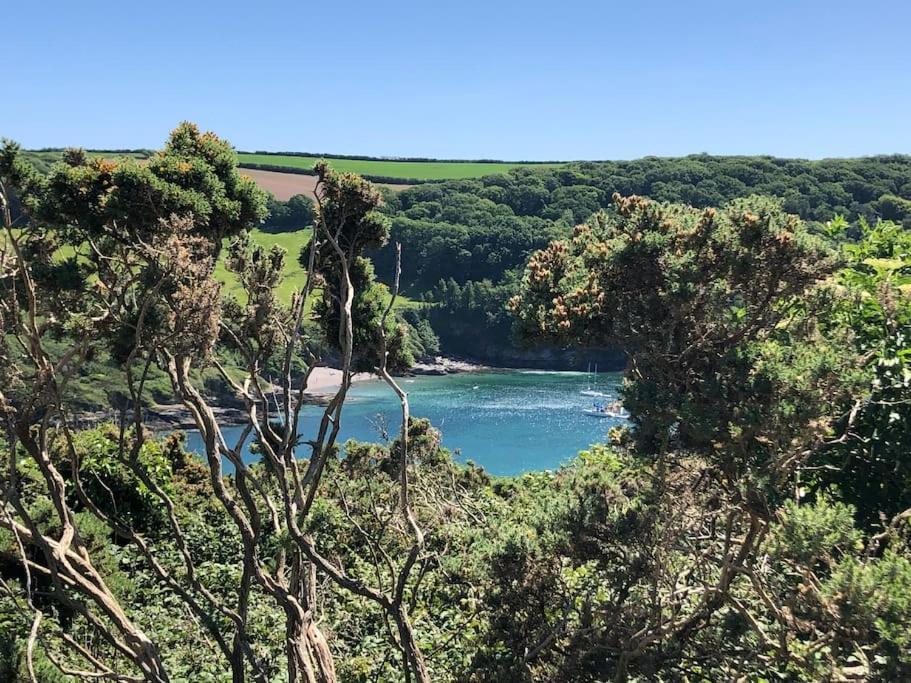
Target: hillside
{"type": "Point", "coordinates": [294, 274]}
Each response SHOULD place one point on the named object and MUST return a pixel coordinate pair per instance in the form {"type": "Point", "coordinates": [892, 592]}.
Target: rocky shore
{"type": "Point", "coordinates": [442, 365]}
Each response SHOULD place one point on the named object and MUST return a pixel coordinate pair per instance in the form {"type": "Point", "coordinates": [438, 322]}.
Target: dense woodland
{"type": "Point", "coordinates": [752, 523]}
{"type": "Point", "coordinates": [482, 231]}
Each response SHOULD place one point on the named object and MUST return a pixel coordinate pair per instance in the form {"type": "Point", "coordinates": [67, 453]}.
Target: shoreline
{"type": "Point", "coordinates": [322, 384]}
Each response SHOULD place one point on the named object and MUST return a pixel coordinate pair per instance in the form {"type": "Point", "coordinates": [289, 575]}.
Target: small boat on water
{"type": "Point", "coordinates": [594, 393]}
{"type": "Point", "coordinates": [614, 410]}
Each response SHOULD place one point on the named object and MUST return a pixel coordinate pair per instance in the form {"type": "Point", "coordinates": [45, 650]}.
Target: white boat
{"type": "Point", "coordinates": [592, 392]}
{"type": "Point", "coordinates": [614, 410]}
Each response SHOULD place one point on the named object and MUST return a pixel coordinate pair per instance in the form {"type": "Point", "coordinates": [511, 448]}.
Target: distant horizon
{"type": "Point", "coordinates": [483, 159]}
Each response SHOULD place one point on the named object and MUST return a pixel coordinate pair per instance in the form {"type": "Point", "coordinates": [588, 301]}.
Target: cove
{"type": "Point", "coordinates": [506, 421]}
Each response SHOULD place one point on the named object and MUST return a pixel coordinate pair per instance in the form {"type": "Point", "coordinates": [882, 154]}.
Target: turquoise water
{"type": "Point", "coordinates": [506, 421]}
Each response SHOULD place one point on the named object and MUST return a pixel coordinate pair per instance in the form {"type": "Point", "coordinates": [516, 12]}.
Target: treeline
{"type": "Point", "coordinates": [362, 157]}
{"type": "Point", "coordinates": [499, 218]}
{"type": "Point", "coordinates": [873, 187]}
{"type": "Point", "coordinates": [471, 316]}
{"type": "Point", "coordinates": [814, 190]}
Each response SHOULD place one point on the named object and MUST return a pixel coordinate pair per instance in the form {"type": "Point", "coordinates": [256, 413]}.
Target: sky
{"type": "Point", "coordinates": [474, 79]}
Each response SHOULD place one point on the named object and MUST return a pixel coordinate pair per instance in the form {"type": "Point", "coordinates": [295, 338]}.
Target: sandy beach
{"type": "Point", "coordinates": [326, 381]}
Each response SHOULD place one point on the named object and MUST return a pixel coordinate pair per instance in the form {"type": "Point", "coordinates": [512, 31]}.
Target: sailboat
{"type": "Point", "coordinates": [590, 391]}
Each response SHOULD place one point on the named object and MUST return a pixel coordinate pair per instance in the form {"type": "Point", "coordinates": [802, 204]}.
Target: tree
{"type": "Point", "coordinates": [695, 298]}
{"type": "Point", "coordinates": [294, 214]}
{"type": "Point", "coordinates": [193, 176]}
{"type": "Point", "coordinates": [142, 285]}
{"type": "Point", "coordinates": [347, 212]}
{"type": "Point", "coordinates": [735, 380]}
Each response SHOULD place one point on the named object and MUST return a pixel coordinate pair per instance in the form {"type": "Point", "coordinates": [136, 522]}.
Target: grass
{"type": "Point", "coordinates": [420, 170]}
{"type": "Point", "coordinates": [294, 275]}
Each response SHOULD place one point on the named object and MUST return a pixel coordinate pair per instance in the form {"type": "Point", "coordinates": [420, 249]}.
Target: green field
{"type": "Point", "coordinates": [419, 170]}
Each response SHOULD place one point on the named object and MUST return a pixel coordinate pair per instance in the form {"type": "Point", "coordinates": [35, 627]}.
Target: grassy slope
{"type": "Point", "coordinates": [291, 242]}
{"type": "Point", "coordinates": [422, 170]}
{"type": "Point", "coordinates": [295, 275]}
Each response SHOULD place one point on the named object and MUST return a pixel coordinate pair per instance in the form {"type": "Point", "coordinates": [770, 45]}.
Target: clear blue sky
{"type": "Point", "coordinates": [558, 80]}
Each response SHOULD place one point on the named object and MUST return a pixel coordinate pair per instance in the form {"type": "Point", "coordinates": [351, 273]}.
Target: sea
{"type": "Point", "coordinates": [506, 421]}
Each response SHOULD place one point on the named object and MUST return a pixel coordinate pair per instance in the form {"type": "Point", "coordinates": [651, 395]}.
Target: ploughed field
{"type": "Point", "coordinates": [286, 185]}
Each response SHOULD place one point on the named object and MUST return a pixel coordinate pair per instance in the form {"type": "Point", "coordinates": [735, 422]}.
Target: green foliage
{"type": "Point", "coordinates": [347, 213]}
{"type": "Point", "coordinates": [294, 214]}
{"type": "Point", "coordinates": [481, 229]}
{"type": "Point", "coordinates": [457, 312]}
{"type": "Point", "coordinates": [892, 208]}
{"type": "Point", "coordinates": [422, 339]}
{"type": "Point", "coordinates": [870, 463]}
{"type": "Point", "coordinates": [43, 159]}
{"type": "Point", "coordinates": [875, 599]}
{"type": "Point", "coordinates": [702, 303]}
{"type": "Point", "coordinates": [462, 249]}
{"type": "Point", "coordinates": [194, 176]}
{"type": "Point", "coordinates": [109, 474]}
{"type": "Point", "coordinates": [494, 219]}
{"type": "Point", "coordinates": [736, 531]}
{"type": "Point", "coordinates": [809, 534]}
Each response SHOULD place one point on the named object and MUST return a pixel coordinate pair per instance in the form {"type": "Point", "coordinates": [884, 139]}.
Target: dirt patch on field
{"type": "Point", "coordinates": [285, 185]}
